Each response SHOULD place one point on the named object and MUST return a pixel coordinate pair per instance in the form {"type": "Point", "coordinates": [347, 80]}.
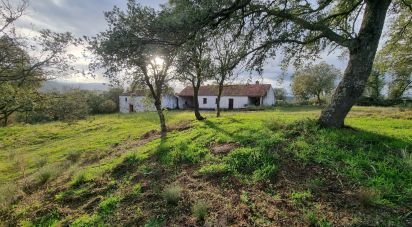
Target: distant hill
{"type": "Point", "coordinates": [62, 86]}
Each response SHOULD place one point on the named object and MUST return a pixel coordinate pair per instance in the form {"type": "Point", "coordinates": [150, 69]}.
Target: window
{"type": "Point", "coordinates": [125, 99]}
{"type": "Point", "coordinates": [204, 100]}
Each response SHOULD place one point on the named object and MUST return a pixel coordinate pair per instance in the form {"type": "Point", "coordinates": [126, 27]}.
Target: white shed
{"type": "Point", "coordinates": [137, 102]}
{"type": "Point", "coordinates": [233, 96]}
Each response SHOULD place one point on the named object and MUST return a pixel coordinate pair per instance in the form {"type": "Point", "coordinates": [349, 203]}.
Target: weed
{"type": "Point", "coordinates": [266, 172]}
{"type": "Point", "coordinates": [407, 157]}
{"type": "Point", "coordinates": [314, 184]}
{"type": "Point", "coordinates": [213, 170]}
{"type": "Point", "coordinates": [137, 189]}
{"type": "Point", "coordinates": [314, 219]}
{"type": "Point", "coordinates": [9, 193]}
{"type": "Point", "coordinates": [73, 156]}
{"type": "Point", "coordinates": [108, 206]}
{"type": "Point", "coordinates": [155, 222]}
{"type": "Point", "coordinates": [172, 194]}
{"type": "Point", "coordinates": [79, 179]}
{"type": "Point", "coordinates": [40, 162]}
{"type": "Point", "coordinates": [50, 219]}
{"type": "Point", "coordinates": [46, 174]}
{"type": "Point", "coordinates": [133, 159]}
{"type": "Point", "coordinates": [187, 154]}
{"type": "Point", "coordinates": [251, 161]}
{"type": "Point", "coordinates": [87, 220]}
{"type": "Point", "coordinates": [244, 197]}
{"type": "Point", "coordinates": [301, 198]}
{"type": "Point", "coordinates": [368, 196]}
{"type": "Point", "coordinates": [200, 210]}
{"type": "Point", "coordinates": [273, 125]}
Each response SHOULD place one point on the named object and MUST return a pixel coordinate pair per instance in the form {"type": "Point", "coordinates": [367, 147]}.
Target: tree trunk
{"type": "Point", "coordinates": [362, 54]}
{"type": "Point", "coordinates": [6, 120]}
{"type": "Point", "coordinates": [163, 128]}
{"type": "Point", "coordinates": [318, 97]}
{"type": "Point", "coordinates": [219, 95]}
{"type": "Point", "coordinates": [196, 102]}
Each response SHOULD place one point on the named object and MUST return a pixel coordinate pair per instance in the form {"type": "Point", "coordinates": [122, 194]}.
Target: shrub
{"type": "Point", "coordinates": [108, 106]}
{"type": "Point", "coordinates": [172, 194]}
{"type": "Point", "coordinates": [199, 210]}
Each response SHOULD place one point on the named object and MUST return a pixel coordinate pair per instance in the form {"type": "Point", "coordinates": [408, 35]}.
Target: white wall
{"type": "Point", "coordinates": [239, 102]}
{"type": "Point", "coordinates": [168, 101]}
{"type": "Point", "coordinates": [269, 99]}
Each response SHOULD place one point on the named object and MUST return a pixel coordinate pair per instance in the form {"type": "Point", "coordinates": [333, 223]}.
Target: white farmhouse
{"type": "Point", "coordinates": [136, 102]}
{"type": "Point", "coordinates": [233, 96]}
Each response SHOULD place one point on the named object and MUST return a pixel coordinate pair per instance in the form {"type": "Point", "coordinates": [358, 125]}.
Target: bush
{"type": "Point", "coordinates": [172, 194]}
{"type": "Point", "coordinates": [199, 210]}
{"type": "Point", "coordinates": [108, 106]}
{"type": "Point", "coordinates": [368, 101]}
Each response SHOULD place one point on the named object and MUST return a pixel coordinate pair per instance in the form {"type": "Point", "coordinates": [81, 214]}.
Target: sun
{"type": "Point", "coordinates": [158, 61]}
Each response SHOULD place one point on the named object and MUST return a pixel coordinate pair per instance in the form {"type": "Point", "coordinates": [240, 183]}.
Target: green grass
{"type": "Point", "coordinates": [56, 142]}
{"type": "Point", "coordinates": [373, 155]}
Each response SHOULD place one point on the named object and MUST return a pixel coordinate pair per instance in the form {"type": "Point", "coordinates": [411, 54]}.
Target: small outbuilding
{"type": "Point", "coordinates": [138, 102]}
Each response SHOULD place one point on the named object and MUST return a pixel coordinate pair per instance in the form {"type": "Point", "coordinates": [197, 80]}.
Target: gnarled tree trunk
{"type": "Point", "coordinates": [196, 101]}
{"type": "Point", "coordinates": [362, 54]}
{"type": "Point", "coordinates": [163, 128]}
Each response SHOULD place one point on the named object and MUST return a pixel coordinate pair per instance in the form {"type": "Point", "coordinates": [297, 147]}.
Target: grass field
{"type": "Point", "coordinates": [263, 168]}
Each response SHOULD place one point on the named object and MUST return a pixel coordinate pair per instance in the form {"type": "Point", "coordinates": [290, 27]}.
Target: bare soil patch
{"type": "Point", "coordinates": [225, 148]}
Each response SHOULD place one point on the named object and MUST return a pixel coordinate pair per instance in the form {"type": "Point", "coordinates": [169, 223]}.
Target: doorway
{"type": "Point", "coordinates": [131, 108]}
{"type": "Point", "coordinates": [230, 104]}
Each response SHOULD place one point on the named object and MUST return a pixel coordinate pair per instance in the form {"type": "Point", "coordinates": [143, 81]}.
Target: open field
{"type": "Point", "coordinates": [263, 168]}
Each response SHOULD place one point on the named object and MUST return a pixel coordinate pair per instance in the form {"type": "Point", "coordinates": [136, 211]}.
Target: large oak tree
{"type": "Point", "coordinates": [303, 29]}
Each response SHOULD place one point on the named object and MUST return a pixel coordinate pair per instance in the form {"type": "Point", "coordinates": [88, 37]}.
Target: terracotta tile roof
{"type": "Point", "coordinates": [250, 90]}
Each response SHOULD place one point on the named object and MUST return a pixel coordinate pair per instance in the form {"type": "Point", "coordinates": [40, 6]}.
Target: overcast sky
{"type": "Point", "coordinates": [85, 17]}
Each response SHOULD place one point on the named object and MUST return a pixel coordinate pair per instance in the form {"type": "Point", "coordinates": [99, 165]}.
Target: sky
{"type": "Point", "coordinates": [85, 17]}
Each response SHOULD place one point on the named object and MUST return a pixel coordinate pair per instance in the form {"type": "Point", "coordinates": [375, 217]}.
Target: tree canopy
{"type": "Point", "coordinates": [314, 81]}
